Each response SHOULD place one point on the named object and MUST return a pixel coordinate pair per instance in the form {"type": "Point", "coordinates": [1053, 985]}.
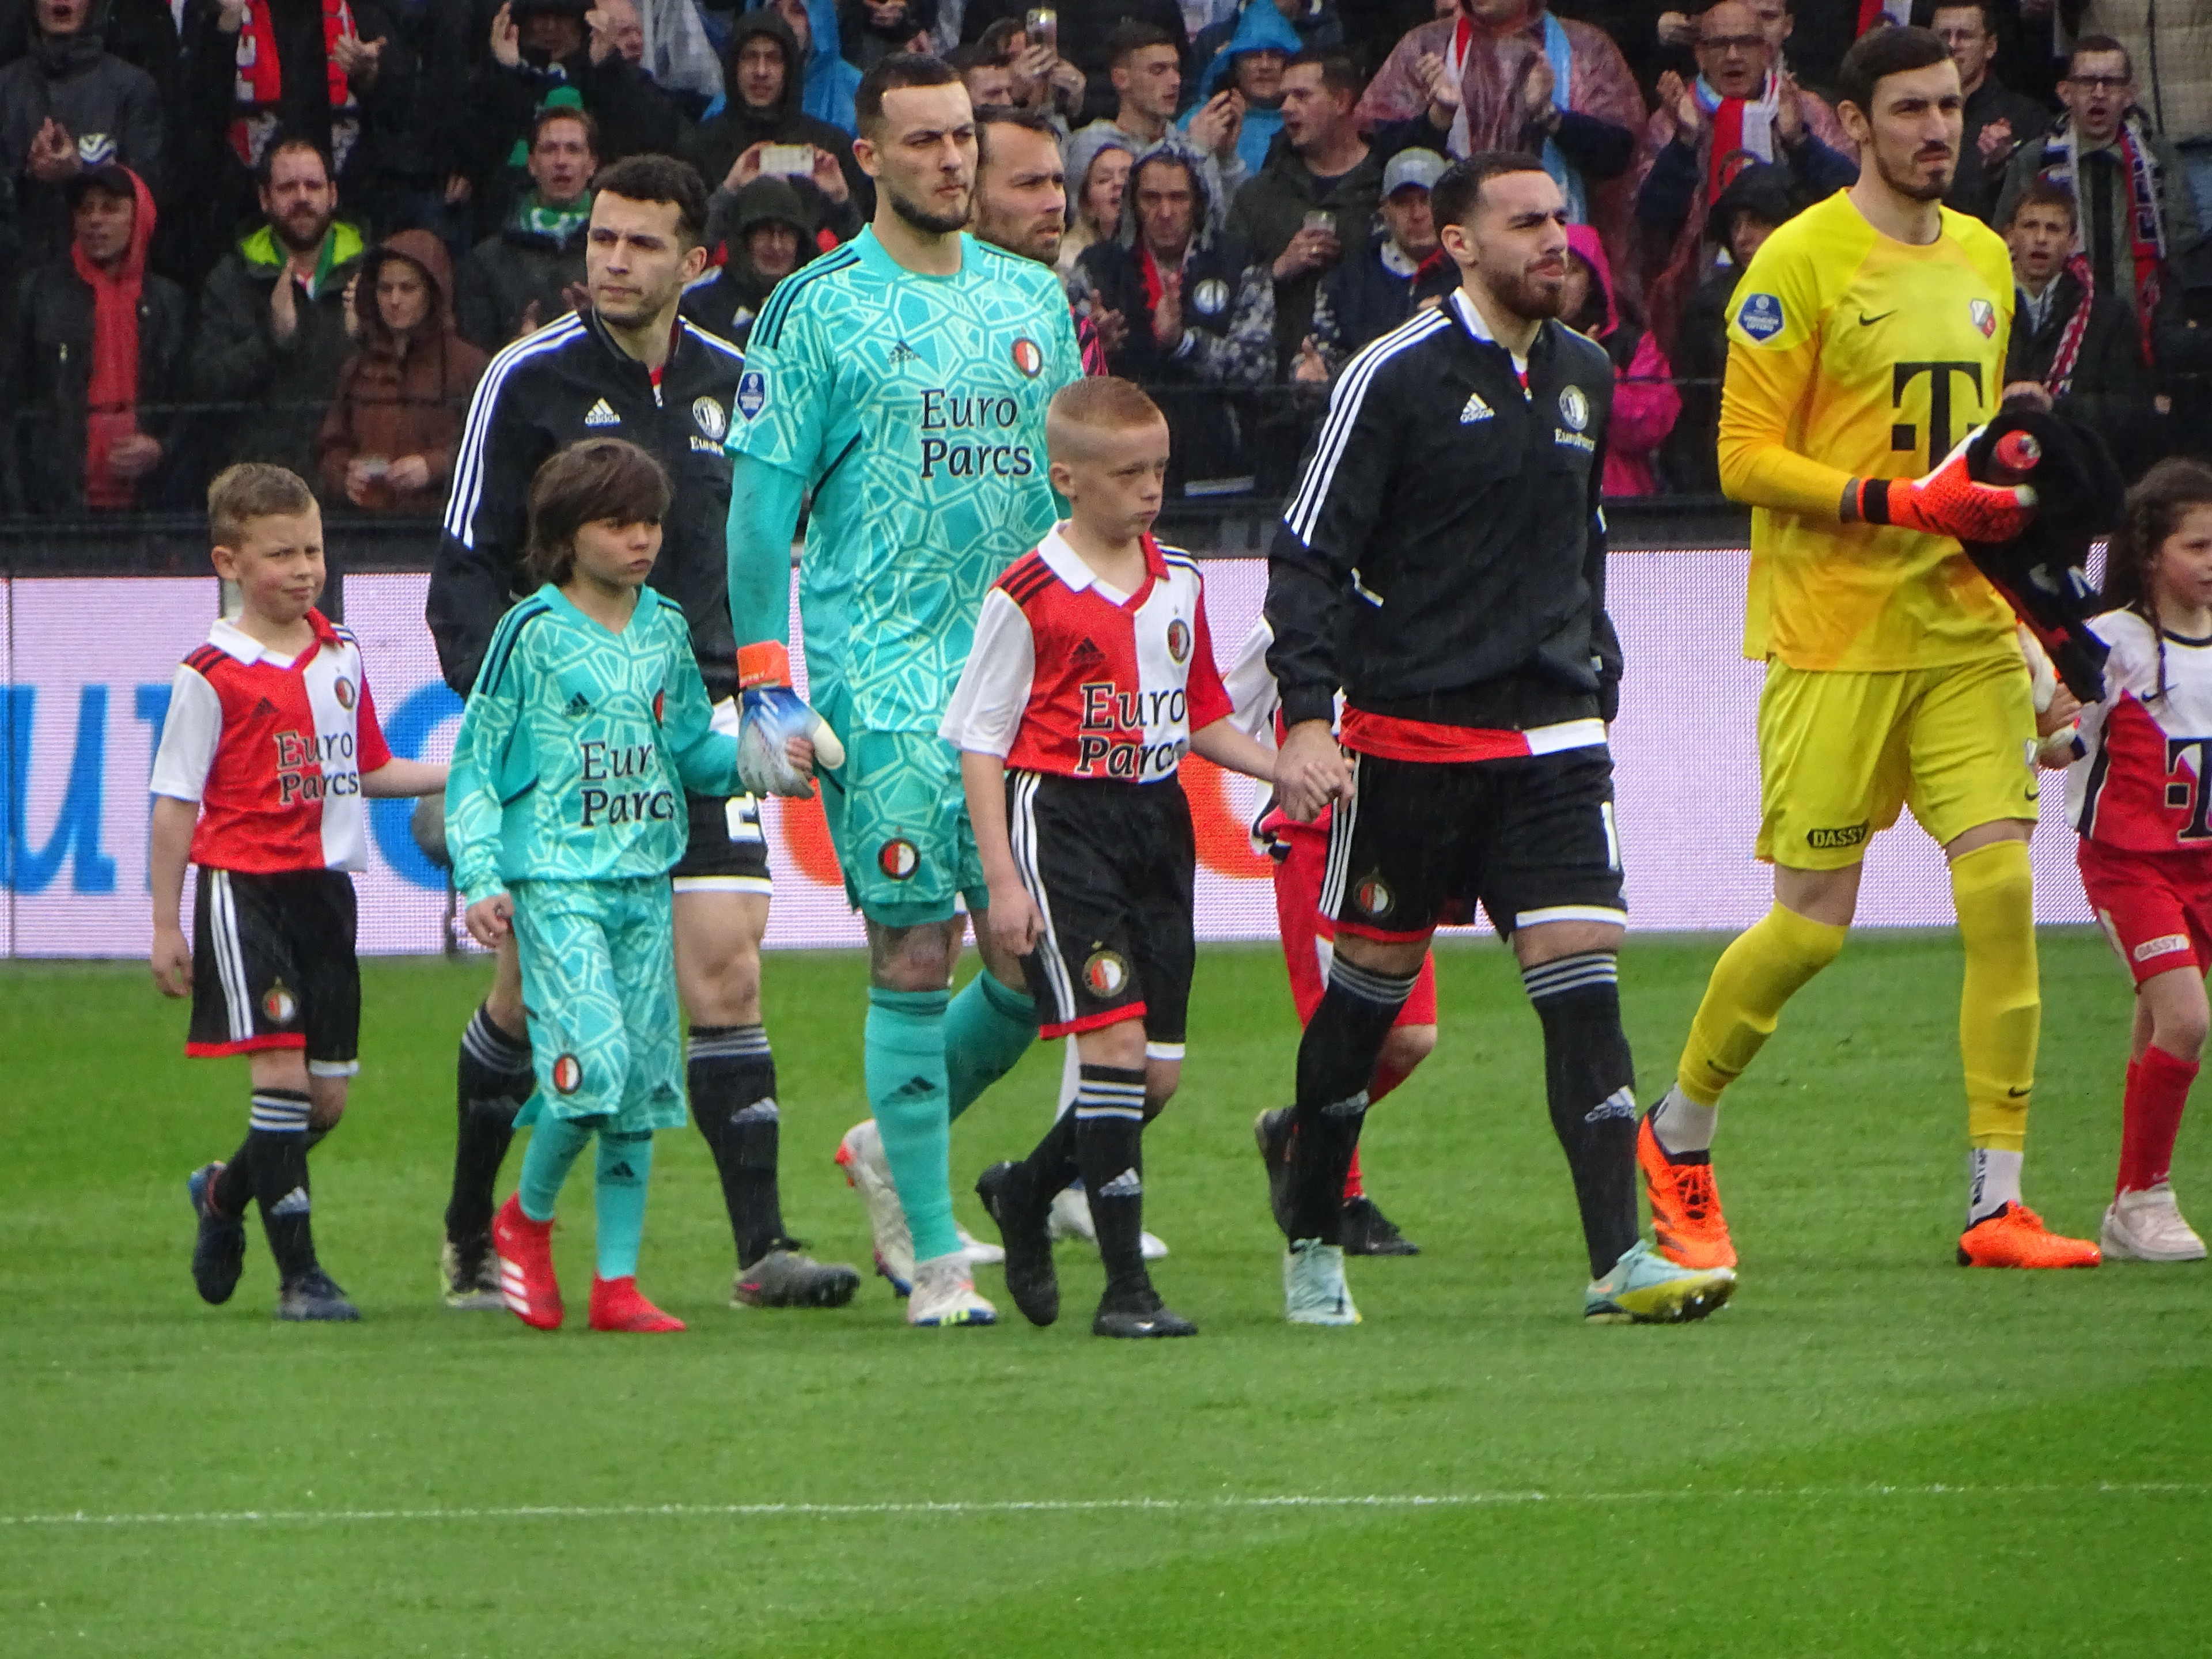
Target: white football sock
{"type": "Point", "coordinates": [1683, 1126]}
{"type": "Point", "coordinates": [1992, 1182]}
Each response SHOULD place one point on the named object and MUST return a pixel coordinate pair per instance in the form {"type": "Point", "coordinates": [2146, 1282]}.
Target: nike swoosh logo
{"type": "Point", "coordinates": [1866, 321]}
{"type": "Point", "coordinates": [2019, 1094]}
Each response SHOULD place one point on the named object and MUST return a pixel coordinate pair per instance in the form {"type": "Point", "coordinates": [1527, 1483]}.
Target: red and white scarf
{"type": "Point", "coordinates": [259, 88]}
{"type": "Point", "coordinates": [2060, 380]}
{"type": "Point", "coordinates": [2146, 223]}
{"type": "Point", "coordinates": [1742, 126]}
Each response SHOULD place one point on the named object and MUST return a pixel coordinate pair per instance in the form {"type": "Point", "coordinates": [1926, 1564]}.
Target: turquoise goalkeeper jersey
{"type": "Point", "coordinates": [576, 747]}
{"type": "Point", "coordinates": [914, 407]}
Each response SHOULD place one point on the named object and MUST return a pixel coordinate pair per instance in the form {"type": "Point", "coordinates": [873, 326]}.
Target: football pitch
{"type": "Point", "coordinates": [1872, 1451]}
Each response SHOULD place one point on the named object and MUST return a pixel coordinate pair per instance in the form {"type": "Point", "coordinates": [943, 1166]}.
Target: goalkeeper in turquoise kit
{"type": "Point", "coordinates": [903, 379]}
{"type": "Point", "coordinates": [564, 813]}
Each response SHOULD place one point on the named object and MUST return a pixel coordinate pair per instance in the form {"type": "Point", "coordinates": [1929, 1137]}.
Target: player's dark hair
{"type": "Point", "coordinates": [896, 73]}
{"type": "Point", "coordinates": [2154, 512]}
{"type": "Point", "coordinates": [250, 490]}
{"type": "Point", "coordinates": [1130, 38]}
{"type": "Point", "coordinates": [1455, 197]}
{"type": "Point", "coordinates": [2098, 44]}
{"type": "Point", "coordinates": [583, 118]}
{"type": "Point", "coordinates": [660, 179]}
{"type": "Point", "coordinates": [1338, 72]}
{"type": "Point", "coordinates": [598, 481]}
{"type": "Point", "coordinates": [1874, 58]}
{"type": "Point", "coordinates": [1000, 115]}
{"type": "Point", "coordinates": [2043, 190]}
{"type": "Point", "coordinates": [283, 143]}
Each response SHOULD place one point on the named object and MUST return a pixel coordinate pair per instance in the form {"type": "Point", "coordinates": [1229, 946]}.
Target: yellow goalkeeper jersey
{"type": "Point", "coordinates": [1851, 355]}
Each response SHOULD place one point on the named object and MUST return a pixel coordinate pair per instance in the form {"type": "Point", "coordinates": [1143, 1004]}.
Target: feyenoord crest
{"type": "Point", "coordinates": [1028, 358]}
{"type": "Point", "coordinates": [1210, 297]}
{"type": "Point", "coordinates": [1105, 973]}
{"type": "Point", "coordinates": [1374, 897]}
{"type": "Point", "coordinates": [1985, 317]}
{"type": "Point", "coordinates": [1179, 641]}
{"type": "Point", "coordinates": [898, 859]}
{"type": "Point", "coordinates": [660, 705]}
{"type": "Point", "coordinates": [712, 421]}
{"type": "Point", "coordinates": [568, 1074]}
{"type": "Point", "coordinates": [1573, 409]}
{"type": "Point", "coordinates": [342, 691]}
{"type": "Point", "coordinates": [278, 1002]}
{"type": "Point", "coordinates": [752, 392]}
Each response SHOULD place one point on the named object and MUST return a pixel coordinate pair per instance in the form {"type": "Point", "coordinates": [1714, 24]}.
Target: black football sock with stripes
{"type": "Point", "coordinates": [732, 1075]}
{"type": "Point", "coordinates": [1590, 1081]}
{"type": "Point", "coordinates": [1110, 1127]}
{"type": "Point", "coordinates": [277, 1149]}
{"type": "Point", "coordinates": [493, 1081]}
{"type": "Point", "coordinates": [1336, 1058]}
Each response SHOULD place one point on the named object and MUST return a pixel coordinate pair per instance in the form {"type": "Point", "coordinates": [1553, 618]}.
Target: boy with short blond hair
{"type": "Point", "coordinates": [268, 749]}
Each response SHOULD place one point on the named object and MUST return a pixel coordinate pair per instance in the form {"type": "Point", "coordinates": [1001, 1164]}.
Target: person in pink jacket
{"type": "Point", "coordinates": [1644, 400]}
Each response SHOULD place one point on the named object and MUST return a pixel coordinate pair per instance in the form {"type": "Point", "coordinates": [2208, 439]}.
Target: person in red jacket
{"type": "Point", "coordinates": [1644, 401]}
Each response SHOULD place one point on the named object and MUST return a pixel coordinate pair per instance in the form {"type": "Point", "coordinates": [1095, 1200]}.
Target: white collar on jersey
{"type": "Point", "coordinates": [1463, 308]}
{"type": "Point", "coordinates": [227, 637]}
{"type": "Point", "coordinates": [1067, 564]}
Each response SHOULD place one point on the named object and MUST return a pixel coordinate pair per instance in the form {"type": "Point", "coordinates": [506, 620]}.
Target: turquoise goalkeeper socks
{"type": "Point", "coordinates": [904, 1050]}
{"type": "Point", "coordinates": [625, 1165]}
{"type": "Point", "coordinates": [986, 1030]}
{"type": "Point", "coordinates": [554, 1143]}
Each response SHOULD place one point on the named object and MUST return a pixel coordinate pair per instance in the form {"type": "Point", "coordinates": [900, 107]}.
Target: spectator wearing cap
{"type": "Point", "coordinates": [1146, 72]}
{"type": "Point", "coordinates": [66, 105]}
{"type": "Point", "coordinates": [526, 276]}
{"type": "Point", "coordinates": [1365, 297]}
{"type": "Point", "coordinates": [387, 445]}
{"type": "Point", "coordinates": [1996, 116]}
{"type": "Point", "coordinates": [541, 47]}
{"type": "Point", "coordinates": [1097, 160]}
{"type": "Point", "coordinates": [1316, 196]}
{"type": "Point", "coordinates": [273, 331]}
{"type": "Point", "coordinates": [763, 84]}
{"type": "Point", "coordinates": [1758, 201]}
{"type": "Point", "coordinates": [93, 339]}
{"type": "Point", "coordinates": [1251, 63]}
{"type": "Point", "coordinates": [770, 234]}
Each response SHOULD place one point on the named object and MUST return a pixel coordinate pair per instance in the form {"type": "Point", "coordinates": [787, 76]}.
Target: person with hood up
{"type": "Point", "coordinates": [94, 338]}
{"type": "Point", "coordinates": [1197, 317]}
{"type": "Point", "coordinates": [540, 47]}
{"type": "Point", "coordinates": [1316, 24]}
{"type": "Point", "coordinates": [829, 81]}
{"type": "Point", "coordinates": [67, 106]}
{"type": "Point", "coordinates": [1644, 401]}
{"type": "Point", "coordinates": [1097, 160]}
{"type": "Point", "coordinates": [387, 443]}
{"type": "Point", "coordinates": [1251, 61]}
{"type": "Point", "coordinates": [873, 29]}
{"type": "Point", "coordinates": [515, 282]}
{"type": "Point", "coordinates": [769, 234]}
{"type": "Point", "coordinates": [763, 83]}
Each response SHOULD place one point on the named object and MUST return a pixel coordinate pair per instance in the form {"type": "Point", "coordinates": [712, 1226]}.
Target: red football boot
{"type": "Point", "coordinates": [617, 1306]}
{"type": "Point", "coordinates": [525, 1249]}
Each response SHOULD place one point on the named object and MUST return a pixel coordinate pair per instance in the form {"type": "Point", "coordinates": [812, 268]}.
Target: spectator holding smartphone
{"type": "Point", "coordinates": [763, 80]}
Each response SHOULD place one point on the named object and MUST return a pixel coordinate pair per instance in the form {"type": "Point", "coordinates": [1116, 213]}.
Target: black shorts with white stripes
{"type": "Point", "coordinates": [726, 851]}
{"type": "Point", "coordinates": [1111, 866]}
{"type": "Point", "coordinates": [1416, 844]}
{"type": "Point", "coordinates": [273, 967]}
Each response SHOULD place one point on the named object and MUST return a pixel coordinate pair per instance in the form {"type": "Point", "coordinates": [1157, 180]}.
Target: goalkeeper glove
{"type": "Point", "coordinates": [1948, 501]}
{"type": "Point", "coordinates": [769, 714]}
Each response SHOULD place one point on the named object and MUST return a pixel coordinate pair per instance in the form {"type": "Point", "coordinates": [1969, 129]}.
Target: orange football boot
{"type": "Point", "coordinates": [525, 1249]}
{"type": "Point", "coordinates": [1686, 1206]}
{"type": "Point", "coordinates": [617, 1305]}
{"type": "Point", "coordinates": [2016, 1237]}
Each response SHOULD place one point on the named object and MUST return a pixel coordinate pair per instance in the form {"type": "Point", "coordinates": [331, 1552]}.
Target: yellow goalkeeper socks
{"type": "Point", "coordinates": [1999, 1009]}
{"type": "Point", "coordinates": [1766, 966]}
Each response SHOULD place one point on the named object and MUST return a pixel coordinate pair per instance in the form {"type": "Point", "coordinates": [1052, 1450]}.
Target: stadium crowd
{"type": "Point", "coordinates": [293, 230]}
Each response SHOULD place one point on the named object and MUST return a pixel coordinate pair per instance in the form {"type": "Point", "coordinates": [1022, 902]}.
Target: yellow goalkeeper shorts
{"type": "Point", "coordinates": [1839, 753]}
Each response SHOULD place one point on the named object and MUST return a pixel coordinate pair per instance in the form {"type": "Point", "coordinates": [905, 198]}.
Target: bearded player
{"type": "Point", "coordinates": [903, 380]}
{"type": "Point", "coordinates": [1868, 342]}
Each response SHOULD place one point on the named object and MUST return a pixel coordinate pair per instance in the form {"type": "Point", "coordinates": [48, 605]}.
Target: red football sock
{"type": "Point", "coordinates": [1351, 1187]}
{"type": "Point", "coordinates": [2158, 1088]}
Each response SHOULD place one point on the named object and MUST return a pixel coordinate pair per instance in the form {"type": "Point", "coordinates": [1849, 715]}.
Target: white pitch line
{"type": "Point", "coordinates": [988, 1507]}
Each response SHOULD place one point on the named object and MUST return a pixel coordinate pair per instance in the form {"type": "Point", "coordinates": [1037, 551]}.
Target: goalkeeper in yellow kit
{"type": "Point", "coordinates": [1868, 342]}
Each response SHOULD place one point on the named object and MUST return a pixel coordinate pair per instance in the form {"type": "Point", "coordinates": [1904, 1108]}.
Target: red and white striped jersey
{"type": "Point", "coordinates": [1067, 676]}
{"type": "Point", "coordinates": [2140, 780]}
{"type": "Point", "coordinates": [273, 751]}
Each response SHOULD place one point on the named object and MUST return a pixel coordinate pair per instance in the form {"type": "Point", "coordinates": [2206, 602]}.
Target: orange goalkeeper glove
{"type": "Point", "coordinates": [1948, 501]}
{"type": "Point", "coordinates": [769, 714]}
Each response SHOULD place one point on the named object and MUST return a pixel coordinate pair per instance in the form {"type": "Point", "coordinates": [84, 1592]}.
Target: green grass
{"type": "Point", "coordinates": [1871, 1452]}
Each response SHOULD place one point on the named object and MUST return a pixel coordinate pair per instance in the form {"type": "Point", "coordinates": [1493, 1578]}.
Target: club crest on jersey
{"type": "Point", "coordinates": [1211, 297]}
{"type": "Point", "coordinates": [660, 707]}
{"type": "Point", "coordinates": [1760, 317]}
{"type": "Point", "coordinates": [1179, 641]}
{"type": "Point", "coordinates": [752, 393]}
{"type": "Point", "coordinates": [1573, 409]}
{"type": "Point", "coordinates": [568, 1074]}
{"type": "Point", "coordinates": [1985, 317]}
{"type": "Point", "coordinates": [1105, 973]}
{"type": "Point", "coordinates": [1374, 897]}
{"type": "Point", "coordinates": [279, 1005]}
{"type": "Point", "coordinates": [1028, 357]}
{"type": "Point", "coordinates": [711, 419]}
{"type": "Point", "coordinates": [898, 859]}
{"type": "Point", "coordinates": [342, 691]}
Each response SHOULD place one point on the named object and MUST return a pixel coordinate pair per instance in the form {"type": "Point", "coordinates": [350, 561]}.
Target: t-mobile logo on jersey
{"type": "Point", "coordinates": [1108, 712]}
{"type": "Point", "coordinates": [309, 767]}
{"type": "Point", "coordinates": [944, 411]}
{"type": "Point", "coordinates": [612, 763]}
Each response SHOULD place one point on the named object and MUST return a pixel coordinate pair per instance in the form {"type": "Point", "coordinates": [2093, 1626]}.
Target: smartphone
{"type": "Point", "coordinates": [1042, 26]}
{"type": "Point", "coordinates": [787, 161]}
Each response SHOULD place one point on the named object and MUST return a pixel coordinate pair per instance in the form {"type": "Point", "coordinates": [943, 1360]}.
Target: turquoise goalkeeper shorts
{"type": "Point", "coordinates": [899, 820]}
